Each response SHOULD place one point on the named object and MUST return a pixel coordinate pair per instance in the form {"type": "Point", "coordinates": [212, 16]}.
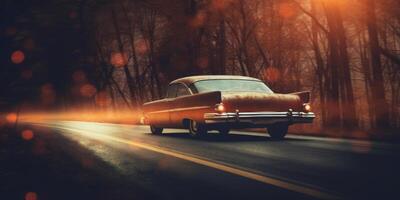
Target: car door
{"type": "Point", "coordinates": [163, 116]}
{"type": "Point", "coordinates": [176, 112]}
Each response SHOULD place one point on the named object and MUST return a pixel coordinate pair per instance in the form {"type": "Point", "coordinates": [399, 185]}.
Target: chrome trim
{"type": "Point", "coordinates": [260, 117]}
{"type": "Point", "coordinates": [180, 109]}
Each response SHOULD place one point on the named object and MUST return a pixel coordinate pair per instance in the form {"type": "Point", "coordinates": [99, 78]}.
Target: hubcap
{"type": "Point", "coordinates": [194, 126]}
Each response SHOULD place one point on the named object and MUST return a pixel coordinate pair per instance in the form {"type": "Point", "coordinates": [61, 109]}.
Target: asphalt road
{"type": "Point", "coordinates": [242, 165]}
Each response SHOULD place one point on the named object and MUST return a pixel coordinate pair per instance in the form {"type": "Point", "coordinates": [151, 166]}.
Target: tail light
{"type": "Point", "coordinates": [306, 107]}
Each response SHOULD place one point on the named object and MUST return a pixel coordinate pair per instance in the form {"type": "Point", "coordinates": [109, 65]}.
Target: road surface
{"type": "Point", "coordinates": [243, 165]}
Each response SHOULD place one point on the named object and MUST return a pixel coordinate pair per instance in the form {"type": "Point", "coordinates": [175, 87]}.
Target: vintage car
{"type": "Point", "coordinates": [222, 103]}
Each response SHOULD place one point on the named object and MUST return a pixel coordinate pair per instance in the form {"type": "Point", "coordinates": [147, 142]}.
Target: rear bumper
{"type": "Point", "coordinates": [259, 118]}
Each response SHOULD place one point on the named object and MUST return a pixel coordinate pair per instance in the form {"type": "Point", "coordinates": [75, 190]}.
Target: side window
{"type": "Point", "coordinates": [193, 88]}
{"type": "Point", "coordinates": [182, 91]}
{"type": "Point", "coordinates": [171, 92]}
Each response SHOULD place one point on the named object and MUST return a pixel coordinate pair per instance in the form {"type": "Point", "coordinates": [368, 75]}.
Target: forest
{"type": "Point", "coordinates": [118, 54]}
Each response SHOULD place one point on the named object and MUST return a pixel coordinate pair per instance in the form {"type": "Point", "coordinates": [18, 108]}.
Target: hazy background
{"type": "Point", "coordinates": [114, 55]}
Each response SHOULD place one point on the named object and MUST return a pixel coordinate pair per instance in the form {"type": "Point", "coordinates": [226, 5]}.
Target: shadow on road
{"type": "Point", "coordinates": [50, 166]}
{"type": "Point", "coordinates": [215, 137]}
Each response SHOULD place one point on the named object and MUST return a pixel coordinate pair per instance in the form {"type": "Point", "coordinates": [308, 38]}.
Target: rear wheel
{"type": "Point", "coordinates": [278, 131]}
{"type": "Point", "coordinates": [196, 129]}
{"type": "Point", "coordinates": [156, 130]}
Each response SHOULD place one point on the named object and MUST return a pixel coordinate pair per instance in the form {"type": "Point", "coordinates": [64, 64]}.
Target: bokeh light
{"type": "Point", "coordinates": [26, 74]}
{"type": "Point", "coordinates": [79, 76]}
{"type": "Point", "coordinates": [47, 94]}
{"type": "Point", "coordinates": [27, 134]}
{"type": "Point", "coordinates": [272, 74]}
{"type": "Point", "coordinates": [219, 4]}
{"type": "Point", "coordinates": [17, 57]}
{"type": "Point", "coordinates": [286, 10]}
{"type": "Point", "coordinates": [11, 118]}
{"type": "Point", "coordinates": [30, 196]}
{"type": "Point", "coordinates": [119, 59]}
{"type": "Point", "coordinates": [141, 46]}
{"type": "Point", "coordinates": [198, 20]}
{"type": "Point", "coordinates": [87, 90]}
{"type": "Point", "coordinates": [102, 99]}
{"type": "Point", "coordinates": [47, 89]}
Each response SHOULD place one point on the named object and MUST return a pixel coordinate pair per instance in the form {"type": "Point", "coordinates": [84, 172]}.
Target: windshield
{"type": "Point", "coordinates": [230, 85]}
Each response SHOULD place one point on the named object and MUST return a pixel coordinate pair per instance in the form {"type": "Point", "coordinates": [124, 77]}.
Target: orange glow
{"type": "Point", "coordinates": [11, 118]}
{"type": "Point", "coordinates": [27, 134]}
{"type": "Point", "coordinates": [272, 74]}
{"type": "Point", "coordinates": [198, 20]}
{"type": "Point", "coordinates": [26, 74]}
{"type": "Point", "coordinates": [88, 90]}
{"type": "Point", "coordinates": [30, 196]}
{"type": "Point", "coordinates": [286, 10]}
{"type": "Point", "coordinates": [119, 59]}
{"type": "Point", "coordinates": [307, 107]}
{"type": "Point", "coordinates": [126, 116]}
{"type": "Point", "coordinates": [102, 99]}
{"type": "Point", "coordinates": [79, 76]}
{"type": "Point", "coordinates": [47, 94]}
{"type": "Point", "coordinates": [334, 2]}
{"type": "Point", "coordinates": [17, 57]}
{"type": "Point", "coordinates": [141, 46]}
{"type": "Point", "coordinates": [220, 108]}
{"type": "Point", "coordinates": [47, 89]}
{"type": "Point", "coordinates": [219, 4]}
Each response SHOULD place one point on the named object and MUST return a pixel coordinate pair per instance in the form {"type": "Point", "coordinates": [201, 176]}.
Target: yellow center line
{"type": "Point", "coordinates": [253, 176]}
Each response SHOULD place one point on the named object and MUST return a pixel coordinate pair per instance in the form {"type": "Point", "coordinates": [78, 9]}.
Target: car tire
{"type": "Point", "coordinates": [197, 129]}
{"type": "Point", "coordinates": [156, 130]}
{"type": "Point", "coordinates": [278, 131]}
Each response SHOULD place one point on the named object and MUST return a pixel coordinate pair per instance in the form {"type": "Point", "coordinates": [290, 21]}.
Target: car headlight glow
{"type": "Point", "coordinates": [220, 107]}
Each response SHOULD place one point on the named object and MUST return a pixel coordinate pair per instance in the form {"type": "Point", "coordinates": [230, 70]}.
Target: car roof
{"type": "Point", "coordinates": [191, 79]}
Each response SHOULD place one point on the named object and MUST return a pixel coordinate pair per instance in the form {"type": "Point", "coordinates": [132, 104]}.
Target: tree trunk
{"type": "Point", "coordinates": [128, 75]}
{"type": "Point", "coordinates": [221, 45]}
{"type": "Point", "coordinates": [377, 87]}
{"type": "Point", "coordinates": [319, 65]}
{"type": "Point", "coordinates": [131, 36]}
{"type": "Point", "coordinates": [342, 91]}
{"type": "Point", "coordinates": [333, 102]}
{"type": "Point", "coordinates": [349, 110]}
{"type": "Point", "coordinates": [367, 76]}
